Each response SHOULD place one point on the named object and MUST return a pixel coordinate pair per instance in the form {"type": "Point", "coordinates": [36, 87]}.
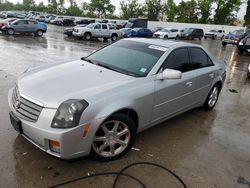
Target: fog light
{"type": "Point", "coordinates": [54, 146]}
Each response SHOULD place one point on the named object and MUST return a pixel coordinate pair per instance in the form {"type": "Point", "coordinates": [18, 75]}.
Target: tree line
{"type": "Point", "coordinates": [188, 11]}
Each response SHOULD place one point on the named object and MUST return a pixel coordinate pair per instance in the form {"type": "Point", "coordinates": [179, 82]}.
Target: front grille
{"type": "Point", "coordinates": [24, 108]}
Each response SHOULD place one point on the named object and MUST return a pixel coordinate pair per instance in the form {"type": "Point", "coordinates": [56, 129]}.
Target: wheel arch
{"type": "Point", "coordinates": [130, 112]}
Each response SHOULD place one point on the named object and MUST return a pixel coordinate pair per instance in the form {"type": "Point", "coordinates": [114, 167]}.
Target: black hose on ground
{"type": "Point", "coordinates": [121, 173]}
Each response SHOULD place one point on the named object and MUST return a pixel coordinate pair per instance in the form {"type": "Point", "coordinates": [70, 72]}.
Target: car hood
{"type": "Point", "coordinates": [52, 85]}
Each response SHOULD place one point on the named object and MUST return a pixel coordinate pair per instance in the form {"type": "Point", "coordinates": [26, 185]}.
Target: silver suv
{"type": "Point", "coordinates": [98, 104]}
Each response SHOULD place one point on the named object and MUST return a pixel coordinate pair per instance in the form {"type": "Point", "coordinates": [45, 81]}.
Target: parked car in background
{"type": "Point", "coordinates": [57, 21]}
{"type": "Point", "coordinates": [125, 32]}
{"type": "Point", "coordinates": [11, 15]}
{"type": "Point", "coordinates": [140, 32]}
{"type": "Point", "coordinates": [49, 19]}
{"type": "Point", "coordinates": [21, 16]}
{"type": "Point", "coordinates": [69, 31]}
{"type": "Point", "coordinates": [84, 22]}
{"type": "Point", "coordinates": [126, 87]}
{"type": "Point", "coordinates": [244, 45]}
{"type": "Point", "coordinates": [6, 22]}
{"type": "Point", "coordinates": [192, 33]}
{"type": "Point", "coordinates": [136, 23]}
{"type": "Point", "coordinates": [40, 18]}
{"type": "Point", "coordinates": [213, 34]}
{"type": "Point", "coordinates": [25, 26]}
{"type": "Point", "coordinates": [167, 33]}
{"type": "Point", "coordinates": [68, 21]}
{"type": "Point", "coordinates": [233, 37]}
{"type": "Point", "coordinates": [3, 15]}
{"type": "Point", "coordinates": [97, 30]}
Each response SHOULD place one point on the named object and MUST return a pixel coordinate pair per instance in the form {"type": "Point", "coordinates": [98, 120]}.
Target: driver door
{"type": "Point", "coordinates": [97, 30]}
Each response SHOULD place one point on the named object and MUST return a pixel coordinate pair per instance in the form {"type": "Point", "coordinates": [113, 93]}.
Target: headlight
{"type": "Point", "coordinates": [241, 43]}
{"type": "Point", "coordinates": [186, 34]}
{"type": "Point", "coordinates": [69, 113]}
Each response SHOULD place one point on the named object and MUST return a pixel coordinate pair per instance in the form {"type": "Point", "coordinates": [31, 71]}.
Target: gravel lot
{"type": "Point", "coordinates": [206, 149]}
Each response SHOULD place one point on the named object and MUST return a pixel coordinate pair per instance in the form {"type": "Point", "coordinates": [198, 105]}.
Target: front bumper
{"type": "Point", "coordinates": [72, 142]}
{"type": "Point", "coordinates": [244, 48]}
{"type": "Point", "coordinates": [77, 34]}
{"type": "Point", "coordinates": [230, 41]}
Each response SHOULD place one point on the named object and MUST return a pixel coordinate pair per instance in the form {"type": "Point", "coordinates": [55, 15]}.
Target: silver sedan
{"type": "Point", "coordinates": [98, 104]}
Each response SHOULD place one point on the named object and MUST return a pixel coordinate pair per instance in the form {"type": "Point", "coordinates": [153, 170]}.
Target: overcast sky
{"type": "Point", "coordinates": [241, 13]}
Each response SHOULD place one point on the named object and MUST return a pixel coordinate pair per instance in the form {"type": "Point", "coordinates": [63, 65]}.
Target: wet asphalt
{"type": "Point", "coordinates": [209, 149]}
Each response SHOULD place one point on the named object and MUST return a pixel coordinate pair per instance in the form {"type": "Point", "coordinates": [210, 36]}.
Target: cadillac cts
{"type": "Point", "coordinates": [97, 104]}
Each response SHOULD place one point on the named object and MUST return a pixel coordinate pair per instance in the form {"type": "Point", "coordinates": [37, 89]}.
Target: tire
{"type": "Point", "coordinates": [87, 36]}
{"type": "Point", "coordinates": [177, 37]}
{"type": "Point", "coordinates": [39, 33]}
{"type": "Point", "coordinates": [106, 137]}
{"type": "Point", "coordinates": [240, 52]}
{"type": "Point", "coordinates": [213, 37]}
{"type": "Point", "coordinates": [224, 43]}
{"type": "Point", "coordinates": [200, 37]}
{"type": "Point", "coordinates": [205, 37]}
{"type": "Point", "coordinates": [10, 31]}
{"type": "Point", "coordinates": [165, 37]}
{"type": "Point", "coordinates": [212, 97]}
{"type": "Point", "coordinates": [114, 37]}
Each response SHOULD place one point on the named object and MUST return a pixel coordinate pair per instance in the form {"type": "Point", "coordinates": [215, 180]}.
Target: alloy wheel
{"type": "Point", "coordinates": [111, 139]}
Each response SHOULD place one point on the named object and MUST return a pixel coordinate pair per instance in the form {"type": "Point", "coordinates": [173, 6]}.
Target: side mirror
{"type": "Point", "coordinates": [169, 74]}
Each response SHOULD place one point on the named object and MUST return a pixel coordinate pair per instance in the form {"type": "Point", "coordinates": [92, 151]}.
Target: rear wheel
{"type": "Point", "coordinates": [114, 138]}
{"type": "Point", "coordinates": [10, 31]}
{"type": "Point", "coordinates": [177, 37]}
{"type": "Point", "coordinates": [114, 37]}
{"type": "Point", "coordinates": [212, 97]}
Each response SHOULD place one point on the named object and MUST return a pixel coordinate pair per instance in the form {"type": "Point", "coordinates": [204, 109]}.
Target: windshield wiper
{"type": "Point", "coordinates": [88, 60]}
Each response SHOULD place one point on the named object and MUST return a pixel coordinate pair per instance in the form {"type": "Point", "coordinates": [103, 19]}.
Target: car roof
{"type": "Point", "coordinates": [164, 43]}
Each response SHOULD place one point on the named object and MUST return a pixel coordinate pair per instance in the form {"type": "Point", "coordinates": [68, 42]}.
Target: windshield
{"type": "Point", "coordinates": [90, 26]}
{"type": "Point", "coordinates": [128, 57]}
{"type": "Point", "coordinates": [164, 30]}
{"type": "Point", "coordinates": [237, 32]}
{"type": "Point", "coordinates": [187, 30]}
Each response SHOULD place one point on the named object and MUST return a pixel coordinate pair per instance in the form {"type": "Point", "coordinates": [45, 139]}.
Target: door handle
{"type": "Point", "coordinates": [189, 84]}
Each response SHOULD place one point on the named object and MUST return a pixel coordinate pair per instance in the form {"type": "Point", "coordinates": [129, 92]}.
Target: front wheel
{"type": "Point", "coordinates": [177, 37]}
{"type": "Point", "coordinates": [39, 33]}
{"type": "Point", "coordinates": [114, 138]}
{"type": "Point", "coordinates": [212, 97]}
{"type": "Point", "coordinates": [224, 43]}
{"type": "Point", "coordinates": [10, 32]}
{"type": "Point", "coordinates": [87, 36]}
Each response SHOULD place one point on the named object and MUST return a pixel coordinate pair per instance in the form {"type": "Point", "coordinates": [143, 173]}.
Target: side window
{"type": "Point", "coordinates": [199, 58]}
{"type": "Point", "coordinates": [21, 22]}
{"type": "Point", "coordinates": [178, 60]}
{"type": "Point", "coordinates": [98, 26]}
{"type": "Point", "coordinates": [104, 26]}
{"type": "Point", "coordinates": [219, 31]}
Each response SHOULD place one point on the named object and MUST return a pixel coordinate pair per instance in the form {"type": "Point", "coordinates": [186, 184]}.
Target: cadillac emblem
{"type": "Point", "coordinates": [17, 103]}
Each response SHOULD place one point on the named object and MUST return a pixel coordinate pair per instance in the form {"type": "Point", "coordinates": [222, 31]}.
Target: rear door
{"type": "Point", "coordinates": [204, 71]}
{"type": "Point", "coordinates": [174, 96]}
